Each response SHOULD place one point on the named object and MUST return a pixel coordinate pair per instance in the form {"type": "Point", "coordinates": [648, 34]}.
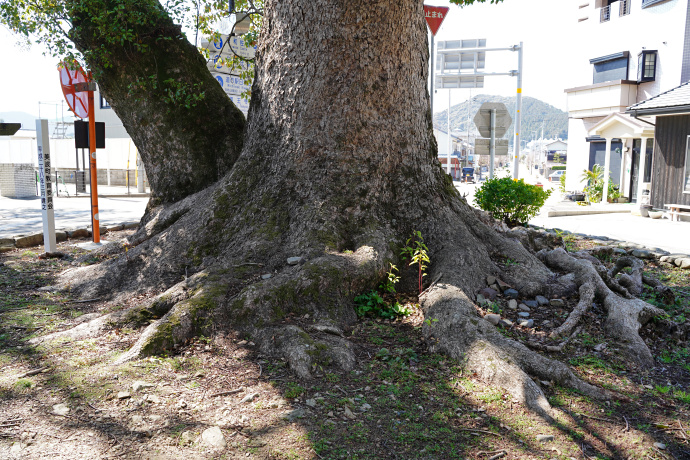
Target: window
{"type": "Point", "coordinates": [686, 177]}
{"type": "Point", "coordinates": [611, 67]}
{"type": "Point", "coordinates": [648, 3]}
{"type": "Point", "coordinates": [104, 103]}
{"type": "Point", "coordinates": [646, 66]}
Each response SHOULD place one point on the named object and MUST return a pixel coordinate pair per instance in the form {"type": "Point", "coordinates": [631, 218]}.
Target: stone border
{"type": "Point", "coordinates": [634, 249]}
{"type": "Point", "coordinates": [36, 239]}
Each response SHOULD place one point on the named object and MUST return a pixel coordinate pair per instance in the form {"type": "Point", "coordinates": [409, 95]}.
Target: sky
{"type": "Point", "coordinates": [542, 25]}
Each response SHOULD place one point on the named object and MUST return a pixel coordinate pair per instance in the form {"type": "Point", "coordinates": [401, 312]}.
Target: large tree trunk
{"type": "Point", "coordinates": [187, 130]}
{"type": "Point", "coordinates": [339, 166]}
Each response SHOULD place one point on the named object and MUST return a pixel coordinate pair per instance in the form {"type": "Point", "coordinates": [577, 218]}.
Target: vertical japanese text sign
{"type": "Point", "coordinates": [46, 185]}
{"type": "Point", "coordinates": [434, 16]}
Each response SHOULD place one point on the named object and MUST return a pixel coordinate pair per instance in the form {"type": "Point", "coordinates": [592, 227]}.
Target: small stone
{"type": "Point", "coordinates": [294, 414]}
{"type": "Point", "coordinates": [513, 304]}
{"type": "Point", "coordinates": [505, 322]}
{"type": "Point", "coordinates": [187, 437]}
{"type": "Point", "coordinates": [660, 445]}
{"type": "Point", "coordinates": [600, 347]}
{"type": "Point", "coordinates": [294, 260]}
{"type": "Point", "coordinates": [137, 419]}
{"type": "Point", "coordinates": [511, 293]}
{"type": "Point", "coordinates": [541, 300]}
{"type": "Point", "coordinates": [558, 303]}
{"type": "Point", "coordinates": [502, 285]}
{"type": "Point", "coordinates": [311, 402]}
{"type": "Point", "coordinates": [481, 300]}
{"type": "Point", "coordinates": [619, 251]}
{"type": "Point", "coordinates": [490, 280]}
{"type": "Point", "coordinates": [16, 447]}
{"type": "Point", "coordinates": [642, 253]}
{"type": "Point", "coordinates": [526, 322]}
{"type": "Point", "coordinates": [492, 318]}
{"type": "Point", "coordinates": [348, 413]}
{"type": "Point", "coordinates": [123, 395]}
{"type": "Point", "coordinates": [495, 287]}
{"type": "Point", "coordinates": [546, 323]}
{"type": "Point", "coordinates": [181, 404]}
{"type": "Point", "coordinates": [266, 276]}
{"type": "Point", "coordinates": [488, 293]}
{"type": "Point", "coordinates": [523, 314]}
{"type": "Point", "coordinates": [684, 263]}
{"type": "Point", "coordinates": [524, 307]}
{"type": "Point", "coordinates": [545, 438]}
{"type": "Point", "coordinates": [531, 303]}
{"type": "Point", "coordinates": [249, 398]}
{"type": "Point", "coordinates": [153, 399]}
{"type": "Point", "coordinates": [60, 409]}
{"type": "Point", "coordinates": [242, 343]}
{"type": "Point", "coordinates": [199, 375]}
{"type": "Point", "coordinates": [213, 437]}
{"type": "Point", "coordinates": [155, 417]}
{"type": "Point", "coordinates": [140, 384]}
{"type": "Point", "coordinates": [365, 407]}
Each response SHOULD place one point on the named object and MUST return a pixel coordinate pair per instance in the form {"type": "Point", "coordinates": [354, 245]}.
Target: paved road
{"type": "Point", "coordinates": [22, 216]}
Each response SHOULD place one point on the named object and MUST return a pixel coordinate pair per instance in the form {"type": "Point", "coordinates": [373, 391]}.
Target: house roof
{"type": "Point", "coordinates": [673, 101]}
{"type": "Point", "coordinates": [618, 125]}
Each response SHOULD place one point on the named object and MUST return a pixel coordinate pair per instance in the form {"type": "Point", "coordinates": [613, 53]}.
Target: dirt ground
{"type": "Point", "coordinates": [218, 397]}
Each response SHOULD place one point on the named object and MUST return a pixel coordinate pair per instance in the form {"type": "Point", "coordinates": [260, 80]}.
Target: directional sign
{"type": "Point", "coordinates": [481, 146]}
{"type": "Point", "coordinates": [483, 119]}
{"type": "Point", "coordinates": [434, 16]}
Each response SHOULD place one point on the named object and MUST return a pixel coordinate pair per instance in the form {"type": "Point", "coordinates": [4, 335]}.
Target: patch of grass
{"type": "Point", "coordinates": [293, 390]}
{"type": "Point", "coordinates": [23, 384]}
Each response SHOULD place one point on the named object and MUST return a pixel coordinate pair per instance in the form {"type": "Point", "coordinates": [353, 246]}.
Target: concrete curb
{"type": "Point", "coordinates": [9, 243]}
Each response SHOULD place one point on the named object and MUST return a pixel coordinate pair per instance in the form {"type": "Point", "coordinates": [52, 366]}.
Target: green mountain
{"type": "Point", "coordinates": [534, 113]}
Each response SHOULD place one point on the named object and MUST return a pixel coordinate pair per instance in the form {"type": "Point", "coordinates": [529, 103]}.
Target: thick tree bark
{"type": "Point", "coordinates": [339, 166]}
{"type": "Point", "coordinates": [186, 129]}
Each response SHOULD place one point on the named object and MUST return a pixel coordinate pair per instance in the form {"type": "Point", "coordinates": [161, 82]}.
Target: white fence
{"type": "Point", "coordinates": [118, 154]}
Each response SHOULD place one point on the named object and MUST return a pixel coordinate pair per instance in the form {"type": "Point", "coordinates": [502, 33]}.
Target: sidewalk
{"type": "Point", "coordinates": [24, 216]}
{"type": "Point", "coordinates": [617, 221]}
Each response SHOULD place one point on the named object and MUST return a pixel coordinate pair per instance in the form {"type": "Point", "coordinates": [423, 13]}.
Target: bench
{"type": "Point", "coordinates": [677, 210]}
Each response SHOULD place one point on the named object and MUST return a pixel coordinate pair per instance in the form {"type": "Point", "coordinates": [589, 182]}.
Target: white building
{"type": "Point", "coordinates": [637, 49]}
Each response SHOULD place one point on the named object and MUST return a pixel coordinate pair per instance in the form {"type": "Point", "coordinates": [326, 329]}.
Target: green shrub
{"type": "Point", "coordinates": [372, 304]}
{"type": "Point", "coordinates": [561, 185]}
{"type": "Point", "coordinates": [512, 201]}
{"type": "Point", "coordinates": [558, 168]}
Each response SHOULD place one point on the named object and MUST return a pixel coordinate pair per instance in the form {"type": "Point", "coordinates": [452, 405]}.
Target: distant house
{"type": "Point", "coordinates": [639, 49]}
{"type": "Point", "coordinates": [670, 167]}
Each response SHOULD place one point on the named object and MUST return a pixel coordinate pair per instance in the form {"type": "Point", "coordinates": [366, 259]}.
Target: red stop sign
{"type": "Point", "coordinates": [434, 16]}
{"type": "Point", "coordinates": [77, 101]}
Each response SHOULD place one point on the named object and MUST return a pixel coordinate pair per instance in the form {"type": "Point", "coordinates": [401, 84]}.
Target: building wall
{"type": "Point", "coordinates": [578, 151]}
{"type": "Point", "coordinates": [17, 180]}
{"type": "Point", "coordinates": [113, 125]}
{"type": "Point", "coordinates": [661, 27]}
{"type": "Point", "coordinates": [668, 163]}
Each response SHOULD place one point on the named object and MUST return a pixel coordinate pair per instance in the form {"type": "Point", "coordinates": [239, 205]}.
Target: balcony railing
{"type": "Point", "coordinates": [605, 13]}
{"type": "Point", "coordinates": [624, 8]}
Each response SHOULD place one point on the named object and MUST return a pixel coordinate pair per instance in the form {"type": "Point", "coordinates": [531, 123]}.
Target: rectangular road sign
{"type": "Point", "coordinates": [481, 146]}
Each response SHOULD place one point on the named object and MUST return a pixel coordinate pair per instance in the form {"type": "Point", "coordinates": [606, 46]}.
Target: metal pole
{"type": "Point", "coordinates": [450, 142]}
{"type": "Point", "coordinates": [431, 84]}
{"type": "Point", "coordinates": [95, 230]}
{"type": "Point", "coordinates": [518, 116]}
{"type": "Point", "coordinates": [492, 144]}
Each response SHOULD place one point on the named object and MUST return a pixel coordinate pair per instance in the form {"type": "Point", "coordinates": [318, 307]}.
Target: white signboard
{"type": "Point", "coordinates": [43, 140]}
{"type": "Point", "coordinates": [231, 84]}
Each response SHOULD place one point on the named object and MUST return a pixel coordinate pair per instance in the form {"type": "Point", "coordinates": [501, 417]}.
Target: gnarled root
{"type": "Point", "coordinates": [667, 295]}
{"type": "Point", "coordinates": [633, 281]}
{"type": "Point", "coordinates": [625, 315]}
{"type": "Point", "coordinates": [497, 360]}
{"type": "Point", "coordinates": [321, 289]}
{"type": "Point", "coordinates": [586, 299]}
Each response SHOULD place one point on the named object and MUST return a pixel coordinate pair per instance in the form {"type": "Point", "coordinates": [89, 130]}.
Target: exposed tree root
{"type": "Point", "coordinates": [633, 281]}
{"type": "Point", "coordinates": [586, 299]}
{"type": "Point", "coordinates": [497, 360]}
{"type": "Point", "coordinates": [560, 346]}
{"type": "Point", "coordinates": [625, 315]}
{"type": "Point", "coordinates": [666, 293]}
